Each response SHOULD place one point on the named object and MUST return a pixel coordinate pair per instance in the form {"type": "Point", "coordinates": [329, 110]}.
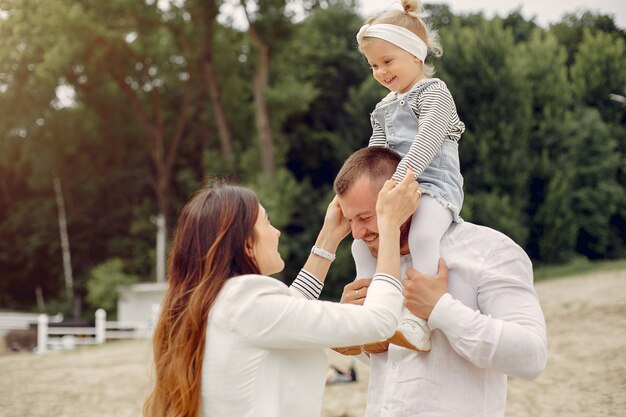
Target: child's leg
{"type": "Point", "coordinates": [429, 223]}
{"type": "Point", "coordinates": [363, 260]}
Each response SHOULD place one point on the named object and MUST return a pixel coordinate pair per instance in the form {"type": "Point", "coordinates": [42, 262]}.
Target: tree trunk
{"type": "Point", "coordinates": [163, 157]}
{"type": "Point", "coordinates": [41, 303]}
{"type": "Point", "coordinates": [260, 83]}
{"type": "Point", "coordinates": [65, 241]}
{"type": "Point", "coordinates": [164, 204]}
{"type": "Point", "coordinates": [223, 128]}
{"type": "Point", "coordinates": [160, 247]}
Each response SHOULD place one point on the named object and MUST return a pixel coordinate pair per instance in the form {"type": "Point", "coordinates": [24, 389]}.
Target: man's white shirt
{"type": "Point", "coordinates": [489, 325]}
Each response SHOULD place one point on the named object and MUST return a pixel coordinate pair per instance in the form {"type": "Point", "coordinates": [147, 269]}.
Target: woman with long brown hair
{"type": "Point", "coordinates": [230, 340]}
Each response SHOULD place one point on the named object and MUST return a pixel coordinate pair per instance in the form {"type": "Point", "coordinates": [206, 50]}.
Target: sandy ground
{"type": "Point", "coordinates": [585, 376]}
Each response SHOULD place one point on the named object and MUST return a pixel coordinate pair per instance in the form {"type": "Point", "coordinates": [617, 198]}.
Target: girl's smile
{"type": "Point", "coordinates": [392, 66]}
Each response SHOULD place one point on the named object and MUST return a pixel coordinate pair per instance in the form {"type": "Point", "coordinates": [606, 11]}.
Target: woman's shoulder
{"type": "Point", "coordinates": [241, 292]}
{"type": "Point", "coordinates": [253, 283]}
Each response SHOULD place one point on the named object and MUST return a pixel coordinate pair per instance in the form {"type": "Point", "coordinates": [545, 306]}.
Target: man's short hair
{"type": "Point", "coordinates": [378, 163]}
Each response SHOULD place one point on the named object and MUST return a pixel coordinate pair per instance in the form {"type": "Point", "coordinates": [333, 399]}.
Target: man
{"type": "Point", "coordinates": [482, 308]}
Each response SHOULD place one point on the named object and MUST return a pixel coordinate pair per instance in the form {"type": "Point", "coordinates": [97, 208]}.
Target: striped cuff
{"type": "Point", "coordinates": [388, 278]}
{"type": "Point", "coordinates": [308, 285]}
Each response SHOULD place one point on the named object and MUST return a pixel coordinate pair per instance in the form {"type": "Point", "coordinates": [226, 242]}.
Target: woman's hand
{"type": "Point", "coordinates": [335, 228]}
{"type": "Point", "coordinates": [396, 202]}
{"type": "Point", "coordinates": [335, 224]}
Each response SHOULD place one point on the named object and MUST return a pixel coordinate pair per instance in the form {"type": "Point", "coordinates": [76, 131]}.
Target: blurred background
{"type": "Point", "coordinates": [112, 113]}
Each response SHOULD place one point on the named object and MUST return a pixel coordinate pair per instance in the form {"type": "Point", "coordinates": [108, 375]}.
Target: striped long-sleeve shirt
{"type": "Point", "coordinates": [438, 120]}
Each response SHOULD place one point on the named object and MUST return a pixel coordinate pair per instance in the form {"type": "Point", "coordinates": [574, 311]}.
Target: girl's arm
{"type": "Point", "coordinates": [378, 137]}
{"type": "Point", "coordinates": [436, 110]}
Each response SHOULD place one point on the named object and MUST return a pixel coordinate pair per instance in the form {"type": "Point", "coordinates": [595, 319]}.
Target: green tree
{"type": "Point", "coordinates": [521, 28]}
{"type": "Point", "coordinates": [72, 144]}
{"type": "Point", "coordinates": [103, 282]}
{"type": "Point", "coordinates": [597, 192]}
{"type": "Point", "coordinates": [269, 25]}
{"type": "Point", "coordinates": [598, 72]}
{"type": "Point", "coordinates": [323, 133]}
{"type": "Point", "coordinates": [163, 97]}
{"type": "Point", "coordinates": [204, 14]}
{"type": "Point", "coordinates": [320, 135]}
{"type": "Point", "coordinates": [570, 30]}
{"type": "Point", "coordinates": [481, 67]}
{"type": "Point", "coordinates": [551, 218]}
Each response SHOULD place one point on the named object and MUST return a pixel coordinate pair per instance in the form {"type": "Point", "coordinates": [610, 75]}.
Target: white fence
{"type": "Point", "coordinates": [10, 320]}
{"type": "Point", "coordinates": [60, 338]}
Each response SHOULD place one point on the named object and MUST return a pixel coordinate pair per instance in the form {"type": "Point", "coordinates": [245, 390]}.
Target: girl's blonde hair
{"type": "Point", "coordinates": [411, 17]}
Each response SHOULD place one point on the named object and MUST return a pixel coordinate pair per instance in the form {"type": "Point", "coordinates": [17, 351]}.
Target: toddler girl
{"type": "Point", "coordinates": [418, 119]}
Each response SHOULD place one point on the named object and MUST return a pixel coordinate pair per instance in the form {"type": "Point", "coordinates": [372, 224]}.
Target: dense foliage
{"type": "Point", "coordinates": [165, 98]}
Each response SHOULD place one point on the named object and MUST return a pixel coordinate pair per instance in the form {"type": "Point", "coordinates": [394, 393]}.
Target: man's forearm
{"type": "Point", "coordinates": [511, 348]}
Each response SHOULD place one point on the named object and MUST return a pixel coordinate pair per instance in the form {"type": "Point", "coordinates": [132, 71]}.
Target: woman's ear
{"type": "Point", "coordinates": [249, 249]}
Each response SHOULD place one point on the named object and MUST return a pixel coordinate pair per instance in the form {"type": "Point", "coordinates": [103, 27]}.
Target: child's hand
{"type": "Point", "coordinates": [396, 202]}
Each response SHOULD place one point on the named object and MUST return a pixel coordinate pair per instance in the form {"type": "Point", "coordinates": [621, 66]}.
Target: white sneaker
{"type": "Point", "coordinates": [412, 334]}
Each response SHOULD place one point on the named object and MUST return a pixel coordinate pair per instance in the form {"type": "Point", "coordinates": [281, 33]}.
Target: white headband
{"type": "Point", "coordinates": [397, 35]}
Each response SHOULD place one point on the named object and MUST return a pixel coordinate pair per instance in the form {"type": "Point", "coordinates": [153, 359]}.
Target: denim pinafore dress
{"type": "Point", "coordinates": [442, 178]}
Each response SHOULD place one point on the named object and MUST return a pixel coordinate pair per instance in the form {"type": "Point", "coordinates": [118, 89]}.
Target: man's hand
{"type": "Point", "coordinates": [355, 292]}
{"type": "Point", "coordinates": [421, 292]}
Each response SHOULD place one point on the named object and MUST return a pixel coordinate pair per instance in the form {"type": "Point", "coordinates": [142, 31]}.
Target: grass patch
{"type": "Point", "coordinates": [578, 266]}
